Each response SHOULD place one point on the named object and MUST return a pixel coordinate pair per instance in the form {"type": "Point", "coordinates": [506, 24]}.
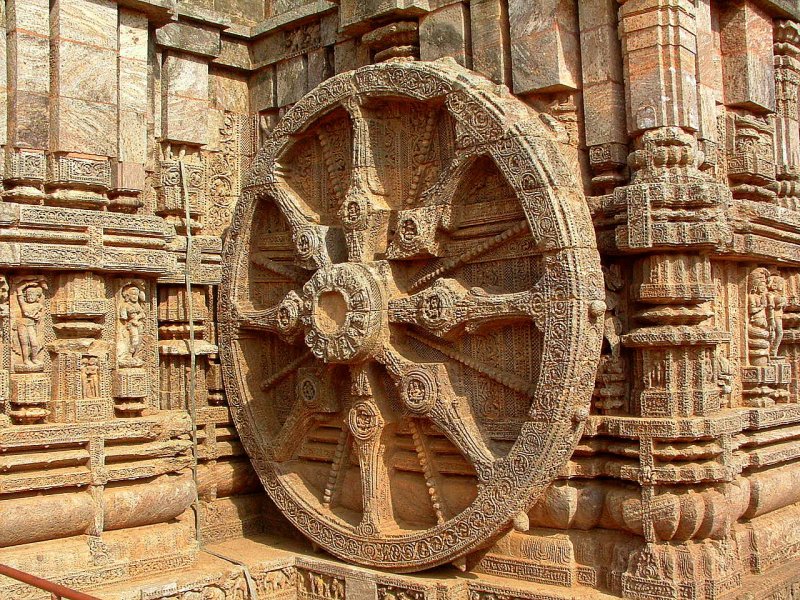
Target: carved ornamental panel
{"type": "Point", "coordinates": [411, 313]}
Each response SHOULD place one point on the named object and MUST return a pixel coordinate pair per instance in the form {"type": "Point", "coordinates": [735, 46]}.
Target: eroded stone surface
{"type": "Point", "coordinates": [397, 361]}
{"type": "Point", "coordinates": [414, 304]}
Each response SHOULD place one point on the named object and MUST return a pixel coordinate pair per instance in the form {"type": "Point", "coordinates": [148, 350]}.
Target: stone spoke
{"type": "Point", "coordinates": [448, 310]}
{"type": "Point", "coordinates": [336, 472]}
{"type": "Point", "coordinates": [433, 479]}
{"type": "Point", "coordinates": [314, 398]}
{"type": "Point", "coordinates": [364, 213]}
{"type": "Point", "coordinates": [446, 265]}
{"type": "Point", "coordinates": [505, 378]}
{"type": "Point", "coordinates": [283, 319]}
{"type": "Point", "coordinates": [286, 371]}
{"type": "Point", "coordinates": [293, 431]}
{"type": "Point", "coordinates": [426, 391]}
{"type": "Point", "coordinates": [316, 245]}
{"type": "Point", "coordinates": [420, 231]}
{"type": "Point", "coordinates": [262, 262]}
{"type": "Point", "coordinates": [444, 189]}
{"type": "Point", "coordinates": [367, 421]}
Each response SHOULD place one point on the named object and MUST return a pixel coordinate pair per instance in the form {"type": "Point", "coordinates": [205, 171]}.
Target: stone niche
{"type": "Point", "coordinates": [400, 299]}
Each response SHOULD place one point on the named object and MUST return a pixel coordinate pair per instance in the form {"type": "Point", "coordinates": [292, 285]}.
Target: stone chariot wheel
{"type": "Point", "coordinates": [411, 313]}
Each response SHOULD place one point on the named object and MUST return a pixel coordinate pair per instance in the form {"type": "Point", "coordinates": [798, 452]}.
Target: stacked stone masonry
{"type": "Point", "coordinates": [400, 299]}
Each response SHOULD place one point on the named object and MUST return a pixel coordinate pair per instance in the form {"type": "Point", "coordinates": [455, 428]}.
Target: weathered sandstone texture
{"type": "Point", "coordinates": [400, 299]}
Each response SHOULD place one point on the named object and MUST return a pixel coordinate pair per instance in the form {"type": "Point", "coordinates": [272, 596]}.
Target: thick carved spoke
{"type": "Point", "coordinates": [426, 391]}
{"type": "Point", "coordinates": [367, 422]}
{"type": "Point", "coordinates": [293, 431]}
{"type": "Point", "coordinates": [444, 188]}
{"type": "Point", "coordinates": [282, 319]}
{"type": "Point", "coordinates": [316, 244]}
{"type": "Point", "coordinates": [448, 310]}
{"type": "Point", "coordinates": [314, 399]}
{"type": "Point", "coordinates": [364, 214]}
{"type": "Point", "coordinates": [419, 231]}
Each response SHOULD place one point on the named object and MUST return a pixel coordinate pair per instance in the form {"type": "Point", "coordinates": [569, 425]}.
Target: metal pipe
{"type": "Point", "coordinates": [56, 590]}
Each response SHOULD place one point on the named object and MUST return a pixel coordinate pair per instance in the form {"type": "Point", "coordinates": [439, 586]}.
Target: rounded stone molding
{"type": "Point", "coordinates": [420, 306]}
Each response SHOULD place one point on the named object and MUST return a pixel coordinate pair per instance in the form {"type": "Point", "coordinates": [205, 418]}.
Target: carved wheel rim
{"type": "Point", "coordinates": [359, 329]}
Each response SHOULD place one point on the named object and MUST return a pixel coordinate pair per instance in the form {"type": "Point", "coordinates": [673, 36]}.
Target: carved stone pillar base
{"type": "Point", "coordinates": [23, 194]}
{"type": "Point", "coordinates": [24, 176]}
{"type": "Point", "coordinates": [666, 571]}
{"type": "Point", "coordinates": [30, 395]}
{"type": "Point", "coordinates": [78, 181]}
{"type": "Point", "coordinates": [125, 200]}
{"type": "Point", "coordinates": [766, 385]}
{"type": "Point", "coordinates": [130, 391]}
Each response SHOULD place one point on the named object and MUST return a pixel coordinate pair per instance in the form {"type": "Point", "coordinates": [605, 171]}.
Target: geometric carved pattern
{"type": "Point", "coordinates": [409, 361]}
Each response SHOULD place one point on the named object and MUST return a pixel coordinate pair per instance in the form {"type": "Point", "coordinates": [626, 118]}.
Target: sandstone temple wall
{"type": "Point", "coordinates": [127, 129]}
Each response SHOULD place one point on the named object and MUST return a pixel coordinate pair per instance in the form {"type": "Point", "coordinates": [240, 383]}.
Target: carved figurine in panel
{"type": "Point", "coordinates": [766, 377]}
{"type": "Point", "coordinates": [759, 318]}
{"type": "Point", "coordinates": [29, 319]}
{"type": "Point", "coordinates": [131, 376]}
{"type": "Point", "coordinates": [132, 316]}
{"type": "Point", "coordinates": [321, 586]}
{"type": "Point", "coordinates": [610, 389]}
{"type": "Point", "coordinates": [392, 592]}
{"type": "Point", "coordinates": [30, 389]}
{"type": "Point", "coordinates": [278, 584]}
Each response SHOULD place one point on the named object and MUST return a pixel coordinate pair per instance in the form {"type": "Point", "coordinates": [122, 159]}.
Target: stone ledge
{"type": "Point", "coordinates": [292, 17]}
{"type": "Point", "coordinates": [266, 556]}
{"type": "Point", "coordinates": [785, 8]}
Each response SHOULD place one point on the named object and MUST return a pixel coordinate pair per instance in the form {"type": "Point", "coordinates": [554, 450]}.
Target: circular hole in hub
{"type": "Point", "coordinates": [331, 312]}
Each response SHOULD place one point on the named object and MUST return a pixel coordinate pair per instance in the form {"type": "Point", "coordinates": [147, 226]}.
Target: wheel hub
{"type": "Point", "coordinates": [344, 312]}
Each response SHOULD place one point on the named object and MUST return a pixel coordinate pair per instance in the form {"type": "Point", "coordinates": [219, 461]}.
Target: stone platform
{"type": "Point", "coordinates": [283, 569]}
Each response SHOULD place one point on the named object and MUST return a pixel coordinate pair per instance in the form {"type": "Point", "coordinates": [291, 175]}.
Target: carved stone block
{"type": "Point", "coordinates": [357, 12]}
{"type": "Point", "coordinates": [745, 39]}
{"type": "Point", "coordinates": [30, 397]}
{"type": "Point", "coordinates": [445, 33]}
{"type": "Point", "coordinates": [93, 410]}
{"type": "Point", "coordinates": [171, 196]}
{"type": "Point", "coordinates": [25, 165]}
{"type": "Point", "coordinates": [131, 386]}
{"type": "Point", "coordinates": [79, 171]}
{"type": "Point", "coordinates": [543, 57]}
